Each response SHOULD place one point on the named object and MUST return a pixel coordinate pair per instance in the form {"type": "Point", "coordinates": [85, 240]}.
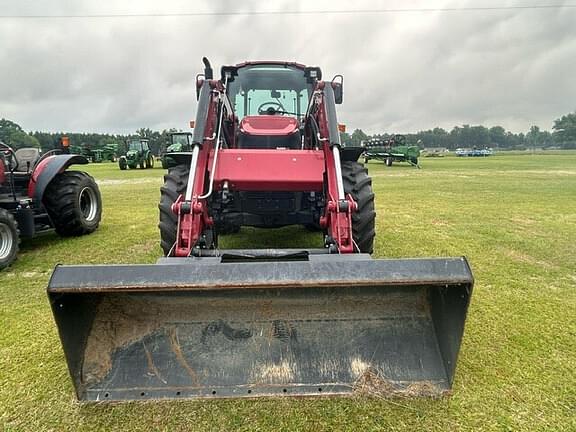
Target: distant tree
{"type": "Point", "coordinates": [565, 130]}
{"type": "Point", "coordinates": [13, 135]}
{"type": "Point", "coordinates": [345, 138]}
{"type": "Point", "coordinates": [537, 138]}
{"type": "Point", "coordinates": [358, 136]}
{"type": "Point", "coordinates": [436, 137]}
{"type": "Point", "coordinates": [497, 136]}
{"type": "Point", "coordinates": [22, 139]}
{"type": "Point", "coordinates": [7, 128]}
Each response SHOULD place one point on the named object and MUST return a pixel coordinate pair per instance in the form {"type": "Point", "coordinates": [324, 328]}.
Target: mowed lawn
{"type": "Point", "coordinates": [513, 216]}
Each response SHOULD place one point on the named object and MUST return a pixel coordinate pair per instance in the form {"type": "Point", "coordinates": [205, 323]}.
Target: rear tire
{"type": "Point", "coordinates": [389, 162]}
{"type": "Point", "coordinates": [150, 162]}
{"type": "Point", "coordinates": [358, 183]}
{"type": "Point", "coordinates": [73, 202]}
{"type": "Point", "coordinates": [9, 238]}
{"type": "Point", "coordinates": [175, 182]}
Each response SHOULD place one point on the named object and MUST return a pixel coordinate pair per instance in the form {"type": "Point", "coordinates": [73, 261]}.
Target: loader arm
{"type": "Point", "coordinates": [191, 209]}
{"type": "Point", "coordinates": [337, 217]}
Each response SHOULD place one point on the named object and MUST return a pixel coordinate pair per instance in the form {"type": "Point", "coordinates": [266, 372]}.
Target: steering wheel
{"type": "Point", "coordinates": [273, 108]}
{"type": "Point", "coordinates": [13, 164]}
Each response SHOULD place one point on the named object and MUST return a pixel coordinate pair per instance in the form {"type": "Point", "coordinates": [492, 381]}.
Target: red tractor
{"type": "Point", "coordinates": [37, 194]}
{"type": "Point", "coordinates": [273, 155]}
{"type": "Point", "coordinates": [206, 322]}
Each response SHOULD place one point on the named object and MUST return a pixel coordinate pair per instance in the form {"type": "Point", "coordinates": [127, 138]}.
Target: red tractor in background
{"type": "Point", "coordinates": [38, 194]}
{"type": "Point", "coordinates": [206, 322]}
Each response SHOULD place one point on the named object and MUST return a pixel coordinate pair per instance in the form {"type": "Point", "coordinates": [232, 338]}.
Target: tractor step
{"type": "Point", "coordinates": [199, 328]}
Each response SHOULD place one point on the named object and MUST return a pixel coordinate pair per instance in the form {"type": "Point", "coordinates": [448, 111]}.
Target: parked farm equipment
{"type": "Point", "coordinates": [179, 142]}
{"type": "Point", "coordinates": [138, 154]}
{"type": "Point", "coordinates": [38, 193]}
{"type": "Point", "coordinates": [485, 152]}
{"type": "Point", "coordinates": [393, 149]}
{"type": "Point", "coordinates": [206, 322]}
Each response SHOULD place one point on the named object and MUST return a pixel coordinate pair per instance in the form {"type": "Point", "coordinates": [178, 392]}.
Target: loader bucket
{"type": "Point", "coordinates": [200, 328]}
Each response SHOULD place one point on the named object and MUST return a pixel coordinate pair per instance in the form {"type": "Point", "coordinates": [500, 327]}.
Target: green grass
{"type": "Point", "coordinates": [513, 217]}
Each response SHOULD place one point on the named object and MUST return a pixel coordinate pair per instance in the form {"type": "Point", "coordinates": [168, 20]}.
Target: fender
{"type": "Point", "coordinates": [351, 154]}
{"type": "Point", "coordinates": [47, 169]}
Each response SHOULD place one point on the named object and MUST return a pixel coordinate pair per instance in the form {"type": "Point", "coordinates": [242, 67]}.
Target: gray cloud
{"type": "Point", "coordinates": [403, 72]}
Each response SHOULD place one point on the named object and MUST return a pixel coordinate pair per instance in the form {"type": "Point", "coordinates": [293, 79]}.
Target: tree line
{"type": "Point", "coordinates": [13, 135]}
{"type": "Point", "coordinates": [563, 136]}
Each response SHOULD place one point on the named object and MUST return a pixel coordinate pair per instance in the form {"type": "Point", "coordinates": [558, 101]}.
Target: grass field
{"type": "Point", "coordinates": [514, 217]}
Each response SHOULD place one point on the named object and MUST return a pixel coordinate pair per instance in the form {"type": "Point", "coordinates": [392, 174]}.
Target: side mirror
{"type": "Point", "coordinates": [338, 86]}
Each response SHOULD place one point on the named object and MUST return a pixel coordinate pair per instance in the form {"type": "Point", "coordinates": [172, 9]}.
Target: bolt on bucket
{"type": "Point", "coordinates": [198, 328]}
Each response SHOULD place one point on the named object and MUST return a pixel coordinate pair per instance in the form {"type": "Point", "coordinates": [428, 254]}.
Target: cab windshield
{"type": "Point", "coordinates": [135, 145]}
{"type": "Point", "coordinates": [181, 139]}
{"type": "Point", "coordinates": [269, 89]}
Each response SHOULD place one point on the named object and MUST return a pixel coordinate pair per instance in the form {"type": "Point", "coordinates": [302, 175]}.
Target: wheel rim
{"type": "Point", "coordinates": [88, 204]}
{"type": "Point", "coordinates": [6, 241]}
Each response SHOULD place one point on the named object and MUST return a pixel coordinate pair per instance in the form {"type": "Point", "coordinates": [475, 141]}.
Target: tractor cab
{"type": "Point", "coordinates": [270, 101]}
{"type": "Point", "coordinates": [179, 142]}
{"type": "Point", "coordinates": [138, 145]}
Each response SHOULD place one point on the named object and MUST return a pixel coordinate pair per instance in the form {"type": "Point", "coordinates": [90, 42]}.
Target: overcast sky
{"type": "Point", "coordinates": [404, 71]}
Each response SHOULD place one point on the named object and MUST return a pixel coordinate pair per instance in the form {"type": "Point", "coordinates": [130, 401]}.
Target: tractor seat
{"type": "Point", "coordinates": [26, 157]}
{"type": "Point", "coordinates": [269, 132]}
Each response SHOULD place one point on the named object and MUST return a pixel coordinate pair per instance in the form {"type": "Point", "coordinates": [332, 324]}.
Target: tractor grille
{"type": "Point", "coordinates": [268, 202]}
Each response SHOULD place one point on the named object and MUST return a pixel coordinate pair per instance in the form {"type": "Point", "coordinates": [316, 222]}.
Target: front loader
{"type": "Point", "coordinates": [206, 322]}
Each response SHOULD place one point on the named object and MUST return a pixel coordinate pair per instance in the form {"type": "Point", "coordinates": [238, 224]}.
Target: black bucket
{"type": "Point", "coordinates": [198, 328]}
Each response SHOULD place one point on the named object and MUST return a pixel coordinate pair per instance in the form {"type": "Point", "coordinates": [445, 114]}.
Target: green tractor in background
{"type": "Point", "coordinates": [138, 154]}
{"type": "Point", "coordinates": [179, 142]}
{"type": "Point", "coordinates": [391, 150]}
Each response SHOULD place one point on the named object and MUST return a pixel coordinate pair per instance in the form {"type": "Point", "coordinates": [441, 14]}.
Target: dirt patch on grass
{"type": "Point", "coordinates": [438, 222]}
{"type": "Point", "coordinates": [149, 246]}
{"type": "Point", "coordinates": [527, 259]}
{"type": "Point", "coordinates": [551, 172]}
{"type": "Point", "coordinates": [116, 182]}
{"type": "Point", "coordinates": [522, 220]}
{"type": "Point", "coordinates": [373, 384]}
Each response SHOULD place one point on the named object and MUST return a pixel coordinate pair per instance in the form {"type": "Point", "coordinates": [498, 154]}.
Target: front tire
{"type": "Point", "coordinates": [122, 164]}
{"type": "Point", "coordinates": [358, 183]}
{"type": "Point", "coordinates": [175, 182]}
{"type": "Point", "coordinates": [9, 238]}
{"type": "Point", "coordinates": [389, 161]}
{"type": "Point", "coordinates": [73, 202]}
